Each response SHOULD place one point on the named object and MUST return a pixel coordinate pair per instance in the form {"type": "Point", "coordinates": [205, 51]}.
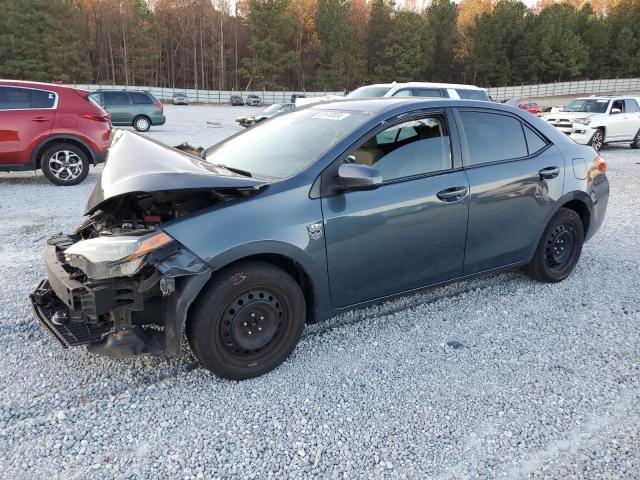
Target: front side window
{"type": "Point", "coordinates": [286, 144]}
{"type": "Point", "coordinates": [428, 92]}
{"type": "Point", "coordinates": [493, 137]}
{"type": "Point", "coordinates": [472, 94]}
{"type": "Point", "coordinates": [618, 104]}
{"type": "Point", "coordinates": [368, 92]}
{"type": "Point", "coordinates": [115, 98]}
{"type": "Point", "coordinates": [12, 98]}
{"type": "Point", "coordinates": [411, 148]}
{"type": "Point", "coordinates": [138, 98]}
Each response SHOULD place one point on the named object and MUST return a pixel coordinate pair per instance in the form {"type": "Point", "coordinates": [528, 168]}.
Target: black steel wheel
{"type": "Point", "coordinates": [559, 248]}
{"type": "Point", "coordinates": [597, 140]}
{"type": "Point", "coordinates": [247, 321]}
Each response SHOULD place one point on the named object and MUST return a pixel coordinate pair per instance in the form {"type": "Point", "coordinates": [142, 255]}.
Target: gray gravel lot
{"type": "Point", "coordinates": [497, 377]}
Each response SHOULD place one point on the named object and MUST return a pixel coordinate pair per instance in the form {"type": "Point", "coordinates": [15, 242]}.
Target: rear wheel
{"type": "Point", "coordinates": [597, 140]}
{"type": "Point", "coordinates": [141, 123]}
{"type": "Point", "coordinates": [559, 249]}
{"type": "Point", "coordinates": [65, 164]}
{"type": "Point", "coordinates": [247, 321]}
{"type": "Point", "coordinates": [636, 141]}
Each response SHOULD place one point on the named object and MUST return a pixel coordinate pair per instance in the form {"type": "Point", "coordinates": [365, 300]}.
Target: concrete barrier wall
{"type": "Point", "coordinates": [558, 89]}
{"type": "Point", "coordinates": [582, 87]}
{"type": "Point", "coordinates": [208, 96]}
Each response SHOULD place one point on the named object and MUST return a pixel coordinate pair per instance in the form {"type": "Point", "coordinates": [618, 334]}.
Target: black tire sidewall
{"type": "Point", "coordinates": [44, 164]}
{"type": "Point", "coordinates": [205, 318]}
{"type": "Point", "coordinates": [635, 144]}
{"type": "Point", "coordinates": [601, 143]}
{"type": "Point", "coordinates": [539, 268]}
{"type": "Point", "coordinates": [135, 121]}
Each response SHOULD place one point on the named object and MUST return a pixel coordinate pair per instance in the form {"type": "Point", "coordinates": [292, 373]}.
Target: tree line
{"type": "Point", "coordinates": [316, 44]}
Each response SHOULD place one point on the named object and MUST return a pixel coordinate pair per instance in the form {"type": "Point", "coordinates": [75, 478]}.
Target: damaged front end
{"type": "Point", "coordinates": [119, 284]}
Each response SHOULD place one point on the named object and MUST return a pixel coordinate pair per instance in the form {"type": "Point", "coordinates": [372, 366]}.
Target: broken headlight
{"type": "Point", "coordinates": [106, 257]}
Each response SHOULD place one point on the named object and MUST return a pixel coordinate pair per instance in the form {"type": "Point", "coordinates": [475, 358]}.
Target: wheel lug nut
{"type": "Point", "coordinates": [249, 332]}
{"type": "Point", "coordinates": [253, 315]}
{"type": "Point", "coordinates": [261, 318]}
{"type": "Point", "coordinates": [244, 324]}
{"type": "Point", "coordinates": [259, 329]}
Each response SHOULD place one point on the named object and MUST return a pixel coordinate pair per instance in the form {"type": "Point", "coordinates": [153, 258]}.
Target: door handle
{"type": "Point", "coordinates": [549, 172]}
{"type": "Point", "coordinates": [452, 194]}
{"type": "Point", "coordinates": [40, 119]}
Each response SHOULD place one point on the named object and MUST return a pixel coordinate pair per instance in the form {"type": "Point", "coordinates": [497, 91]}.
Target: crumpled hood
{"type": "Point", "coordinates": [141, 164]}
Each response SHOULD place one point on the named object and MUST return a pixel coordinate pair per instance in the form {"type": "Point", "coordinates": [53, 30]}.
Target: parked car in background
{"type": "Point", "coordinates": [236, 100]}
{"type": "Point", "coordinates": [531, 107]}
{"type": "Point", "coordinates": [138, 109]}
{"type": "Point", "coordinates": [295, 96]}
{"type": "Point", "coordinates": [52, 127]}
{"type": "Point", "coordinates": [553, 109]}
{"type": "Point", "coordinates": [597, 121]}
{"type": "Point", "coordinates": [310, 214]}
{"type": "Point", "coordinates": [254, 100]}
{"type": "Point", "coordinates": [271, 111]}
{"type": "Point", "coordinates": [180, 99]}
{"type": "Point", "coordinates": [421, 89]}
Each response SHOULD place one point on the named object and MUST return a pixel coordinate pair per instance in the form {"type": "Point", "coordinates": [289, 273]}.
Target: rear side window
{"type": "Point", "coordinates": [140, 98]}
{"type": "Point", "coordinates": [493, 137]}
{"type": "Point", "coordinates": [535, 143]}
{"type": "Point", "coordinates": [472, 94]}
{"type": "Point", "coordinates": [12, 98]}
{"type": "Point", "coordinates": [115, 98]}
{"type": "Point", "coordinates": [631, 106]}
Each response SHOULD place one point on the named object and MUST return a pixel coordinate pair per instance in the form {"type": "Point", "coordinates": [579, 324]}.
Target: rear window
{"type": "Point", "coordinates": [428, 92]}
{"type": "Point", "coordinates": [493, 137]}
{"type": "Point", "coordinates": [12, 98]}
{"type": "Point", "coordinates": [138, 98]}
{"type": "Point", "coordinates": [472, 94]}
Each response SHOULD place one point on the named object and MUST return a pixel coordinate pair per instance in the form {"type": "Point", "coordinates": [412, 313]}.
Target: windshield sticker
{"type": "Point", "coordinates": [331, 115]}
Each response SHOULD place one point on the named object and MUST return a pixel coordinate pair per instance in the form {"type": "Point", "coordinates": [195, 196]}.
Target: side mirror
{"type": "Point", "coordinates": [355, 176]}
{"type": "Point", "coordinates": [615, 111]}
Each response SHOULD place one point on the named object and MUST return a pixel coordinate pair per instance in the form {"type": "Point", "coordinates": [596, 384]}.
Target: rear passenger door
{"type": "Point", "coordinates": [118, 104]}
{"type": "Point", "coordinates": [515, 178]}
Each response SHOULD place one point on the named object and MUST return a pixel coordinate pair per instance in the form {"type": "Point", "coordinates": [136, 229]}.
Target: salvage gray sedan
{"type": "Point", "coordinates": [311, 213]}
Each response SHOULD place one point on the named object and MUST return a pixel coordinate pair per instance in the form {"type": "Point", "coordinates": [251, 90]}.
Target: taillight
{"type": "Point", "coordinates": [601, 164]}
{"type": "Point", "coordinates": [159, 106]}
{"type": "Point", "coordinates": [96, 117]}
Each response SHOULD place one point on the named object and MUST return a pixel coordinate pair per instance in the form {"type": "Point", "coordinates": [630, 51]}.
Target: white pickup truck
{"type": "Point", "coordinates": [597, 121]}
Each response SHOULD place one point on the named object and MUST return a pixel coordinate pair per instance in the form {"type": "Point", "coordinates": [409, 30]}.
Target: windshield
{"type": "Point", "coordinates": [273, 108]}
{"type": "Point", "coordinates": [368, 92]}
{"type": "Point", "coordinates": [590, 105]}
{"type": "Point", "coordinates": [285, 144]}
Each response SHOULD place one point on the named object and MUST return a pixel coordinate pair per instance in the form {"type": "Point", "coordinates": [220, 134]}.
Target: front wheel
{"type": "Point", "coordinates": [141, 123]}
{"type": "Point", "coordinates": [597, 140]}
{"type": "Point", "coordinates": [247, 321]}
{"type": "Point", "coordinates": [65, 164]}
{"type": "Point", "coordinates": [559, 249]}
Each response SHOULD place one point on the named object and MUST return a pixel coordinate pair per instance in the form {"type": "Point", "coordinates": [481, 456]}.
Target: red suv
{"type": "Point", "coordinates": [53, 127]}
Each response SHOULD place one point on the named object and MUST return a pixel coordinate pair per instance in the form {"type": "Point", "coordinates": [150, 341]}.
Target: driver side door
{"type": "Point", "coordinates": [409, 232]}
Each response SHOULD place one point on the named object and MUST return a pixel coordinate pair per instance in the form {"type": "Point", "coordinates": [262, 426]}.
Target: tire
{"type": "Point", "coordinates": [64, 164]}
{"type": "Point", "coordinates": [597, 140]}
{"type": "Point", "coordinates": [242, 300]}
{"type": "Point", "coordinates": [636, 141]}
{"type": "Point", "coordinates": [559, 249]}
{"type": "Point", "coordinates": [141, 123]}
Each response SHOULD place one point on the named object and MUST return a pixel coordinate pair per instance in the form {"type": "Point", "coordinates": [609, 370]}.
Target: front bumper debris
{"type": "Point", "coordinates": [122, 316]}
{"type": "Point", "coordinates": [55, 317]}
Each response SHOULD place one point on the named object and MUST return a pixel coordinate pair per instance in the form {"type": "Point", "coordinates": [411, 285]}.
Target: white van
{"type": "Point", "coordinates": [420, 89]}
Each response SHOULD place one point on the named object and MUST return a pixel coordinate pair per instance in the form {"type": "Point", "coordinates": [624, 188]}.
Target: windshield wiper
{"type": "Point", "coordinates": [244, 173]}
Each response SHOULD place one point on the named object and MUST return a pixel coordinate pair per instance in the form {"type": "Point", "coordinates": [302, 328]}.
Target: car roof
{"type": "Point", "coordinates": [380, 104]}
{"type": "Point", "coordinates": [49, 86]}
{"type": "Point", "coordinates": [422, 84]}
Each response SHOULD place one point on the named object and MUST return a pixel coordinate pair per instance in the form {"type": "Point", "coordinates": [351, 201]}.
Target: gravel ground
{"type": "Point", "coordinates": [499, 377]}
